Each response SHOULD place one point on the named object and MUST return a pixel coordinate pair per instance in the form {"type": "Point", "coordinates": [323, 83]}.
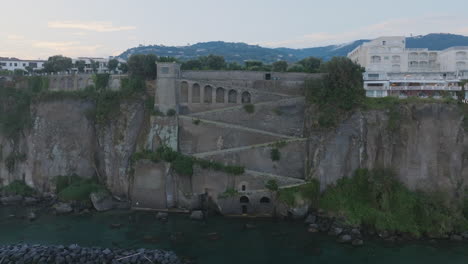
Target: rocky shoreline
{"type": "Point", "coordinates": [321, 222]}
{"type": "Point", "coordinates": [24, 253]}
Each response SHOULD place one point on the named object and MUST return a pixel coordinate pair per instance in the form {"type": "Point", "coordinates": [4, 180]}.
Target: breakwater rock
{"type": "Point", "coordinates": [24, 253]}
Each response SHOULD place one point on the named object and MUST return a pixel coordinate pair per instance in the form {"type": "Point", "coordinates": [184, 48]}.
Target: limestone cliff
{"type": "Point", "coordinates": [62, 140]}
{"type": "Point", "coordinates": [425, 144]}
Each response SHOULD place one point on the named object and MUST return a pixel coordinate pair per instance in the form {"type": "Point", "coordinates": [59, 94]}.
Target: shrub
{"type": "Point", "coordinates": [272, 185]}
{"type": "Point", "coordinates": [375, 198]}
{"type": "Point", "coordinates": [171, 112]}
{"type": "Point", "coordinates": [230, 192]}
{"type": "Point", "coordinates": [249, 108]}
{"type": "Point", "coordinates": [79, 189]}
{"type": "Point", "coordinates": [183, 165]}
{"type": "Point", "coordinates": [18, 188]}
{"type": "Point", "coordinates": [277, 111]}
{"type": "Point", "coordinates": [275, 154]}
{"type": "Point", "coordinates": [308, 192]}
{"type": "Point", "coordinates": [196, 121]}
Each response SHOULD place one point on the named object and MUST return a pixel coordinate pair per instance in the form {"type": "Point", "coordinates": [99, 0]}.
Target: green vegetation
{"type": "Point", "coordinates": [171, 112]}
{"type": "Point", "coordinates": [101, 81]}
{"type": "Point", "coordinates": [309, 192]}
{"type": "Point", "coordinates": [275, 154]}
{"type": "Point", "coordinates": [58, 63]}
{"type": "Point", "coordinates": [17, 188]}
{"type": "Point", "coordinates": [272, 185]}
{"type": "Point", "coordinates": [183, 164]}
{"type": "Point", "coordinates": [230, 192]}
{"type": "Point", "coordinates": [375, 198]}
{"type": "Point", "coordinates": [277, 111]}
{"type": "Point", "coordinates": [249, 108]}
{"type": "Point", "coordinates": [75, 188]}
{"type": "Point", "coordinates": [338, 91]}
{"type": "Point", "coordinates": [196, 121]}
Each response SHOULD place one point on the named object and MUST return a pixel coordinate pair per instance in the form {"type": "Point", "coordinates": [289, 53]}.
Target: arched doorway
{"type": "Point", "coordinates": [246, 98]}
{"type": "Point", "coordinates": [265, 200]}
{"type": "Point", "coordinates": [208, 95]}
{"type": "Point", "coordinates": [184, 92]}
{"type": "Point", "coordinates": [196, 93]}
{"type": "Point", "coordinates": [232, 96]}
{"type": "Point", "coordinates": [244, 200]}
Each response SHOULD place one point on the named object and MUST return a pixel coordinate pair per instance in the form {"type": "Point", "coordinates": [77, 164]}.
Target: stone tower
{"type": "Point", "coordinates": [167, 85]}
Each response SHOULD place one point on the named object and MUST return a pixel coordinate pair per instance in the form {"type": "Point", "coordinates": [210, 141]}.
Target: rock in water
{"type": "Point", "coordinates": [310, 219]}
{"type": "Point", "coordinates": [345, 239]}
{"type": "Point", "coordinates": [32, 216]}
{"type": "Point", "coordinates": [102, 201]}
{"type": "Point", "coordinates": [11, 200]}
{"type": "Point", "coordinates": [63, 208]}
{"type": "Point", "coordinates": [196, 215]}
{"type": "Point", "coordinates": [162, 216]}
{"type": "Point", "coordinates": [357, 242]}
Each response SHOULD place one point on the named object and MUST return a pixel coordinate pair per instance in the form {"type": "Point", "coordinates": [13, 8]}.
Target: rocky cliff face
{"type": "Point", "coordinates": [425, 144]}
{"type": "Point", "coordinates": [63, 140]}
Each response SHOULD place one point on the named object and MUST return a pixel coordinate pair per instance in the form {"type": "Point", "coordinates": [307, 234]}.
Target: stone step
{"type": "Point", "coordinates": [227, 125]}
{"type": "Point", "coordinates": [222, 151]}
{"type": "Point", "coordinates": [292, 99]}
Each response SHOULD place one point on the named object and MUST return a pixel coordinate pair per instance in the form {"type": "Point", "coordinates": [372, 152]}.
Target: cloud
{"type": "Point", "coordinates": [97, 26]}
{"type": "Point", "coordinates": [394, 27]}
{"type": "Point", "coordinates": [69, 48]}
{"type": "Point", "coordinates": [15, 37]}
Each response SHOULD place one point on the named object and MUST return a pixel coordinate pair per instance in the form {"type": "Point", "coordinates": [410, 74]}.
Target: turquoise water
{"type": "Point", "coordinates": [271, 242]}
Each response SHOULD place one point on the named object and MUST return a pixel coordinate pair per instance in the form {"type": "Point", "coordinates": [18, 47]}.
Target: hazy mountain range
{"type": "Point", "coordinates": [240, 52]}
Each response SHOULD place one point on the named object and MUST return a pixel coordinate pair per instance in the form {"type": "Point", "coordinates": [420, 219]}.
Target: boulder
{"type": "Point", "coordinates": [465, 235]}
{"type": "Point", "coordinates": [63, 208]}
{"type": "Point", "coordinates": [31, 216]}
{"type": "Point", "coordinates": [102, 201]}
{"type": "Point", "coordinates": [357, 242]}
{"type": "Point", "coordinates": [11, 200]}
{"type": "Point", "coordinates": [299, 212]}
{"type": "Point", "coordinates": [162, 216]}
{"type": "Point", "coordinates": [310, 219]}
{"type": "Point", "coordinates": [196, 215]}
{"type": "Point", "coordinates": [355, 232]}
{"type": "Point", "coordinates": [456, 237]}
{"type": "Point", "coordinates": [335, 231]}
{"type": "Point", "coordinates": [313, 228]}
{"type": "Point", "coordinates": [30, 200]}
{"type": "Point", "coordinates": [345, 238]}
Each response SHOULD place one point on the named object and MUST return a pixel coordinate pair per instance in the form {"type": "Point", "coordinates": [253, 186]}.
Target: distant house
{"type": "Point", "coordinates": [12, 64]}
{"type": "Point", "coordinates": [393, 69]}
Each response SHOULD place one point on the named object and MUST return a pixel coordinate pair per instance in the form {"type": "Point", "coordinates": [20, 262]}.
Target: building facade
{"type": "Point", "coordinates": [393, 69]}
{"type": "Point", "coordinates": [12, 64]}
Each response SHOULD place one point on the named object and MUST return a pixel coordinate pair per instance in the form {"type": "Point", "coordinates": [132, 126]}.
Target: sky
{"type": "Point", "coordinates": [37, 29]}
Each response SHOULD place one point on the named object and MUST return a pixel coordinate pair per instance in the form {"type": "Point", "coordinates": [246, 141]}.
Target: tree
{"type": "Point", "coordinates": [253, 65]}
{"type": "Point", "coordinates": [143, 66]}
{"type": "Point", "coordinates": [58, 63]}
{"type": "Point", "coordinates": [311, 64]}
{"type": "Point", "coordinates": [194, 64]}
{"type": "Point", "coordinates": [123, 67]}
{"type": "Point", "coordinates": [95, 66]}
{"type": "Point", "coordinates": [214, 62]}
{"type": "Point", "coordinates": [80, 65]}
{"type": "Point", "coordinates": [339, 89]}
{"type": "Point", "coordinates": [113, 64]}
{"type": "Point", "coordinates": [279, 66]}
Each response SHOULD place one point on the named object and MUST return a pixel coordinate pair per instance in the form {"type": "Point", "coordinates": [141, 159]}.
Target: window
{"type": "Point", "coordinates": [386, 58]}
{"type": "Point", "coordinates": [384, 42]}
{"type": "Point", "coordinates": [373, 75]}
{"type": "Point", "coordinates": [243, 188]}
{"type": "Point", "coordinates": [268, 76]}
{"type": "Point", "coordinates": [375, 84]}
{"type": "Point", "coordinates": [164, 70]}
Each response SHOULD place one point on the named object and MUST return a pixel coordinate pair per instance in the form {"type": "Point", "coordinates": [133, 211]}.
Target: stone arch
{"type": "Point", "coordinates": [208, 94]}
{"type": "Point", "coordinates": [246, 97]}
{"type": "Point", "coordinates": [89, 82]}
{"type": "Point", "coordinates": [63, 83]}
{"type": "Point", "coordinates": [195, 93]}
{"type": "Point", "coordinates": [220, 95]}
{"type": "Point", "coordinates": [264, 200]}
{"type": "Point", "coordinates": [184, 92]}
{"type": "Point", "coordinates": [70, 83]}
{"type": "Point", "coordinates": [244, 199]}
{"type": "Point", "coordinates": [80, 83]}
{"type": "Point", "coordinates": [232, 97]}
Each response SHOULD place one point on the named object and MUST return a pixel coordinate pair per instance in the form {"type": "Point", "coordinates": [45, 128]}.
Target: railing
{"type": "Point", "coordinates": [426, 87]}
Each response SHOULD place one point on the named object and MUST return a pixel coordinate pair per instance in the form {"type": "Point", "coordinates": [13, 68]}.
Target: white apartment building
{"type": "Point", "coordinates": [102, 64]}
{"type": "Point", "coordinates": [393, 69]}
{"type": "Point", "coordinates": [12, 64]}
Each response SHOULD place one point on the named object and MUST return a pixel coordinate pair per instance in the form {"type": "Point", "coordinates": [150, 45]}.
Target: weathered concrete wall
{"type": "Point", "coordinates": [244, 75]}
{"type": "Point", "coordinates": [149, 184]}
{"type": "Point", "coordinates": [258, 158]}
{"type": "Point", "coordinates": [201, 136]}
{"type": "Point", "coordinates": [282, 117]}
{"type": "Point", "coordinates": [427, 149]}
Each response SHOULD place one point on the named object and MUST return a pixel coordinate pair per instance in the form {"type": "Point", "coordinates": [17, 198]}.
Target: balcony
{"type": "Point", "coordinates": [426, 87]}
